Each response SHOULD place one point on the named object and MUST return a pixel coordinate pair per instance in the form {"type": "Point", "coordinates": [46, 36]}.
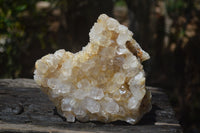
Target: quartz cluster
{"type": "Point", "coordinates": [103, 82]}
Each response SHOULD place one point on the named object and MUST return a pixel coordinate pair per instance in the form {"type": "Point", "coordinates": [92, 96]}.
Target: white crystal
{"type": "Point", "coordinates": [123, 38]}
{"type": "Point", "coordinates": [59, 54]}
{"type": "Point", "coordinates": [122, 29]}
{"type": "Point", "coordinates": [70, 117]}
{"type": "Point", "coordinates": [43, 66]}
{"type": "Point", "coordinates": [95, 32]}
{"type": "Point", "coordinates": [79, 111]}
{"type": "Point", "coordinates": [84, 83]}
{"type": "Point", "coordinates": [119, 78]}
{"type": "Point", "coordinates": [92, 105]}
{"type": "Point", "coordinates": [80, 94]}
{"type": "Point", "coordinates": [96, 93]}
{"type": "Point", "coordinates": [111, 106]}
{"type": "Point", "coordinates": [65, 104]}
{"type": "Point", "coordinates": [133, 103]}
{"type": "Point", "coordinates": [103, 82]}
{"type": "Point", "coordinates": [122, 50]}
{"type": "Point", "coordinates": [130, 120]}
{"type": "Point", "coordinates": [112, 24]}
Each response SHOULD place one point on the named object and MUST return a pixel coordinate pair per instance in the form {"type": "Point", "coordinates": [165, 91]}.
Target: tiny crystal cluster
{"type": "Point", "coordinates": [103, 82]}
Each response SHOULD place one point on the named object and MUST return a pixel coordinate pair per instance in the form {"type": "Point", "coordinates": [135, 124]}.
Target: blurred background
{"type": "Point", "coordinates": [169, 30]}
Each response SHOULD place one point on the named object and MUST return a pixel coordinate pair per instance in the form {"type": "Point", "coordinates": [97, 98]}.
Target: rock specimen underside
{"type": "Point", "coordinates": [103, 82]}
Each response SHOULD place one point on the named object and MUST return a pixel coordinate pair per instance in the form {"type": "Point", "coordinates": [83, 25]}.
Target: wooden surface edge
{"type": "Point", "coordinates": [162, 115]}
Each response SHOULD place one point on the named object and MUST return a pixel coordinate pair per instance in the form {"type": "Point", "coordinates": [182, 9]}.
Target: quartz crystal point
{"type": "Point", "coordinates": [103, 82]}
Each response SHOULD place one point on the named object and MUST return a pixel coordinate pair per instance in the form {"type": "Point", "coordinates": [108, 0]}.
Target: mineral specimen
{"type": "Point", "coordinates": [103, 82]}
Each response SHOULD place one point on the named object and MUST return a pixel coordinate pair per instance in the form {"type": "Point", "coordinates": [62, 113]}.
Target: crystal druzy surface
{"type": "Point", "coordinates": [103, 82]}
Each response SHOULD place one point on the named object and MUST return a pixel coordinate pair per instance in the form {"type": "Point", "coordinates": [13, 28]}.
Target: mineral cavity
{"type": "Point", "coordinates": [103, 82]}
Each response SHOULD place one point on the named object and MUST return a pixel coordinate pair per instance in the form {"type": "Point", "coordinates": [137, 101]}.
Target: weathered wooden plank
{"type": "Point", "coordinates": [24, 108]}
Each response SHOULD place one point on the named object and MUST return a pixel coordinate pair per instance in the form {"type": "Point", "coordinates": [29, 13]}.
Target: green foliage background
{"type": "Point", "coordinates": [20, 23]}
{"type": "Point", "coordinates": [28, 30]}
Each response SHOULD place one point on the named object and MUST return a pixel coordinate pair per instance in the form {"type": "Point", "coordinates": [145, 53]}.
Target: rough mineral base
{"type": "Point", "coordinates": [103, 82]}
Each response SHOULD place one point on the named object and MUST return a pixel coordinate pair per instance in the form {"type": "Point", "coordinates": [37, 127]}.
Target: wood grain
{"type": "Point", "coordinates": [24, 108]}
